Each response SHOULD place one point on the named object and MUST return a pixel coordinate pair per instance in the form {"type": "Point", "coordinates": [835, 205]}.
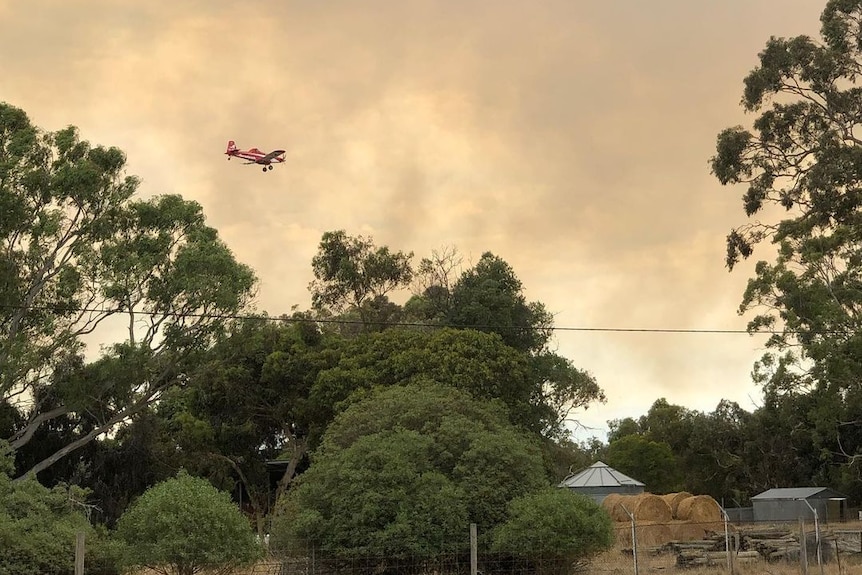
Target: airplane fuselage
{"type": "Point", "coordinates": [255, 156]}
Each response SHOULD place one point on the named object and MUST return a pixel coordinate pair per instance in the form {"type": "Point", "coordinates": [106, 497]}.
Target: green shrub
{"type": "Point", "coordinates": [38, 528]}
{"type": "Point", "coordinates": [184, 525]}
{"type": "Point", "coordinates": [556, 527]}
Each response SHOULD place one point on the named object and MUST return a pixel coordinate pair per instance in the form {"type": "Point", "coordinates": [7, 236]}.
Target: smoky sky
{"type": "Point", "coordinates": [570, 138]}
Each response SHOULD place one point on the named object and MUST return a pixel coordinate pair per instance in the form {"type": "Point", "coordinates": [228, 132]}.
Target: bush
{"type": "Point", "coordinates": [185, 525]}
{"type": "Point", "coordinates": [38, 527]}
{"type": "Point", "coordinates": [402, 473]}
{"type": "Point", "coordinates": [556, 527]}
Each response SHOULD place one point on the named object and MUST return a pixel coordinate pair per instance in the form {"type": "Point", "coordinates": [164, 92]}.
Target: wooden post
{"type": "Point", "coordinates": [474, 550]}
{"type": "Point", "coordinates": [803, 548]}
{"type": "Point", "coordinates": [838, 555]}
{"type": "Point", "coordinates": [727, 543]}
{"type": "Point", "coordinates": [79, 553]}
{"type": "Point", "coordinates": [634, 537]}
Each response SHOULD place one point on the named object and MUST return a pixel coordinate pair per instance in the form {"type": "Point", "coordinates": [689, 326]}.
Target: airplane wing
{"type": "Point", "coordinates": [271, 155]}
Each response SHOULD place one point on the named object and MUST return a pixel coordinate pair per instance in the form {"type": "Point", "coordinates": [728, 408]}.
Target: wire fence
{"type": "Point", "coordinates": [640, 547]}
{"type": "Point", "coordinates": [780, 548]}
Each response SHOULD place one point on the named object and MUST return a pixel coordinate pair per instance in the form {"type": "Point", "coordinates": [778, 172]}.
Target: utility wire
{"type": "Point", "coordinates": [341, 321]}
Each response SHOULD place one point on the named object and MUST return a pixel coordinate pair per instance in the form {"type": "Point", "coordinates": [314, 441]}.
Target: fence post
{"type": "Point", "coordinates": [79, 553]}
{"type": "Point", "coordinates": [474, 551]}
{"type": "Point", "coordinates": [803, 547]}
{"type": "Point", "coordinates": [727, 542]}
{"type": "Point", "coordinates": [817, 538]}
{"type": "Point", "coordinates": [634, 537]}
{"type": "Point", "coordinates": [838, 555]}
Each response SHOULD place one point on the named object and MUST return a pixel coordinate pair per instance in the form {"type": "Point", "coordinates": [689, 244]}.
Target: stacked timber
{"type": "Point", "coordinates": [773, 544]}
{"type": "Point", "coordinates": [713, 558]}
{"type": "Point", "coordinates": [770, 545]}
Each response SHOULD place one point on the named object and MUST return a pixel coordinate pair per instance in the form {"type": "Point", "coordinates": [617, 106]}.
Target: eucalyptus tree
{"type": "Point", "coordinates": [77, 248]}
{"type": "Point", "coordinates": [801, 166]}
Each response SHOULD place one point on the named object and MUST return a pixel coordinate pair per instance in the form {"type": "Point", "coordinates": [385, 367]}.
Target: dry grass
{"type": "Point", "coordinates": [620, 563]}
{"type": "Point", "coordinates": [619, 560]}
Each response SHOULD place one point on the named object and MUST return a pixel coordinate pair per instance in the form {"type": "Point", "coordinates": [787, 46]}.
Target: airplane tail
{"type": "Point", "coordinates": [231, 146]}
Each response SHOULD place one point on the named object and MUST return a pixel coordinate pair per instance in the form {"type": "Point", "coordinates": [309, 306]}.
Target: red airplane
{"type": "Point", "coordinates": [255, 156]}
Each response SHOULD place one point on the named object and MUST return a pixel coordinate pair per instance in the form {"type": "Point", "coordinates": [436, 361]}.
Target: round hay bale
{"type": "Point", "coordinates": [626, 502]}
{"type": "Point", "coordinates": [699, 509]}
{"type": "Point", "coordinates": [610, 502]}
{"type": "Point", "coordinates": [644, 507]}
{"type": "Point", "coordinates": [614, 504]}
{"type": "Point", "coordinates": [650, 507]}
{"type": "Point", "coordinates": [673, 499]}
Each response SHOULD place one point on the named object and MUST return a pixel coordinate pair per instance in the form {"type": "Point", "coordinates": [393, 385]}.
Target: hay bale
{"type": "Point", "coordinates": [687, 531]}
{"type": "Point", "coordinates": [649, 533]}
{"type": "Point", "coordinates": [625, 502]}
{"type": "Point", "coordinates": [614, 503]}
{"type": "Point", "coordinates": [650, 507]}
{"type": "Point", "coordinates": [673, 499]}
{"type": "Point", "coordinates": [700, 509]}
{"type": "Point", "coordinates": [644, 507]}
{"type": "Point", "coordinates": [609, 503]}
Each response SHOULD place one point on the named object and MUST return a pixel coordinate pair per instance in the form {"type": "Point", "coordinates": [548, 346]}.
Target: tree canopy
{"type": "Point", "coordinates": [78, 248]}
{"type": "Point", "coordinates": [403, 471]}
{"type": "Point", "coordinates": [802, 167]}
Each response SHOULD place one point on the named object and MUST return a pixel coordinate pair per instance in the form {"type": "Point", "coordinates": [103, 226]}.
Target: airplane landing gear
{"type": "Point", "coordinates": [269, 167]}
{"type": "Point", "coordinates": [264, 168]}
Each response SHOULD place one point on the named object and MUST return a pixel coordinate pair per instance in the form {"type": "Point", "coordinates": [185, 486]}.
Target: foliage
{"type": "Point", "coordinates": [471, 360]}
{"type": "Point", "coordinates": [77, 249]}
{"type": "Point", "coordinates": [489, 297]}
{"type": "Point", "coordinates": [38, 527]}
{"type": "Point", "coordinates": [404, 470]}
{"type": "Point", "coordinates": [185, 525]}
{"type": "Point", "coordinates": [352, 271]}
{"type": "Point", "coordinates": [222, 431]}
{"type": "Point", "coordinates": [651, 462]}
{"type": "Point", "coordinates": [555, 526]}
{"type": "Point", "coordinates": [564, 457]}
{"type": "Point", "coordinates": [804, 160]}
{"type": "Point", "coordinates": [119, 469]}
{"type": "Point", "coordinates": [475, 362]}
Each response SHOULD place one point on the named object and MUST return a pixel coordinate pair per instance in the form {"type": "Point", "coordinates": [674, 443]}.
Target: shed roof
{"type": "Point", "coordinates": [788, 493]}
{"type": "Point", "coordinates": [599, 475]}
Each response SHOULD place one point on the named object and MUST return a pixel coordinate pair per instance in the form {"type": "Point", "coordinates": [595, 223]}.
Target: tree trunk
{"type": "Point", "coordinates": [299, 449]}
{"type": "Point", "coordinates": [25, 435]}
{"type": "Point", "coordinates": [67, 449]}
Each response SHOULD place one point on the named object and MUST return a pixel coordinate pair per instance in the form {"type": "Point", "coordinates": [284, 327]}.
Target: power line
{"type": "Point", "coordinates": [344, 321]}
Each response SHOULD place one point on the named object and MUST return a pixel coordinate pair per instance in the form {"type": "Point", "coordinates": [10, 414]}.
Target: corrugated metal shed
{"type": "Point", "coordinates": [792, 503]}
{"type": "Point", "coordinates": [598, 481]}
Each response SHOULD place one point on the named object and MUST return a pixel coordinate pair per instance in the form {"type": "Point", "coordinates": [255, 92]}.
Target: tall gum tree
{"type": "Point", "coordinates": [76, 248]}
{"type": "Point", "coordinates": [804, 156]}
